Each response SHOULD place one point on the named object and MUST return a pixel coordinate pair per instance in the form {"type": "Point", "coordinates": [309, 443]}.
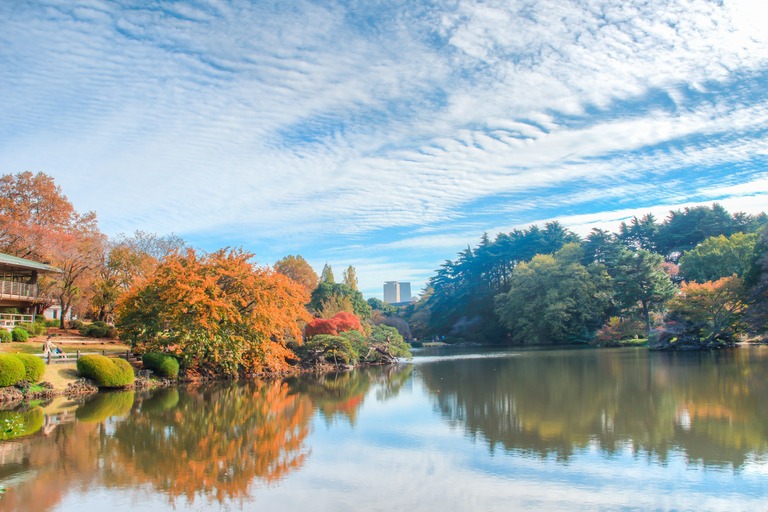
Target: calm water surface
{"type": "Point", "coordinates": [546, 430]}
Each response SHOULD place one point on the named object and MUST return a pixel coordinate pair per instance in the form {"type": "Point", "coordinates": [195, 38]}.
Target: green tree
{"type": "Point", "coordinates": [350, 277]}
{"type": "Point", "coordinates": [553, 299]}
{"type": "Point", "coordinates": [642, 233]}
{"type": "Point", "coordinates": [718, 257]}
{"type": "Point", "coordinates": [328, 299]}
{"type": "Point", "coordinates": [326, 276]}
{"type": "Point", "coordinates": [641, 279]}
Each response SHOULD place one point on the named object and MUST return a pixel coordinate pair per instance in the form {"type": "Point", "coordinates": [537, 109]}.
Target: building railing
{"type": "Point", "coordinates": [16, 289]}
{"type": "Point", "coordinates": [10, 320]}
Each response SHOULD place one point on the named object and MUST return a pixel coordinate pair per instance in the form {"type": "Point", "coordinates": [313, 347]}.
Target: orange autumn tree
{"type": "Point", "coordinates": [712, 310]}
{"type": "Point", "coordinates": [218, 313]}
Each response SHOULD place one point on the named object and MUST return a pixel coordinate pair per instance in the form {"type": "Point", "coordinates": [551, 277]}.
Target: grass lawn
{"type": "Point", "coordinates": [35, 346]}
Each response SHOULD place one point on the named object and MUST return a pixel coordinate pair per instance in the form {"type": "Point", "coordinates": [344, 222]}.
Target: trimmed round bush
{"type": "Point", "coordinates": [106, 372]}
{"type": "Point", "coordinates": [19, 334]}
{"type": "Point", "coordinates": [162, 364]}
{"type": "Point", "coordinates": [5, 336]}
{"type": "Point", "coordinates": [11, 370]}
{"type": "Point", "coordinates": [34, 367]}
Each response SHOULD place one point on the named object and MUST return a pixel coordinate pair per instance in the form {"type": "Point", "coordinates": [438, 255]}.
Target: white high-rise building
{"type": "Point", "coordinates": [405, 292]}
{"type": "Point", "coordinates": [395, 292]}
{"type": "Point", "coordinates": [391, 292]}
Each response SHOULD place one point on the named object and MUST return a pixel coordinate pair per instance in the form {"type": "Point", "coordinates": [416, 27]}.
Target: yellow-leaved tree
{"type": "Point", "coordinates": [219, 314]}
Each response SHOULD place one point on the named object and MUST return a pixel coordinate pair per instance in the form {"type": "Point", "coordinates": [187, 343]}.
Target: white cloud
{"type": "Point", "coordinates": [322, 120]}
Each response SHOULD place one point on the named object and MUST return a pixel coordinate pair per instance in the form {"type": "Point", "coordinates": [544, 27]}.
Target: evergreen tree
{"type": "Point", "coordinates": [326, 276]}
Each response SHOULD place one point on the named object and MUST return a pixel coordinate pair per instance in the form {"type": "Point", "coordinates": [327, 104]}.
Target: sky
{"type": "Point", "coordinates": [387, 135]}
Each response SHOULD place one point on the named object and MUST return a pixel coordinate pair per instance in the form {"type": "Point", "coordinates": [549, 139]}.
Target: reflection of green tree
{"type": "Point", "coordinates": [15, 424]}
{"type": "Point", "coordinates": [552, 403]}
{"type": "Point", "coordinates": [342, 394]}
{"type": "Point", "coordinates": [335, 394]}
{"type": "Point", "coordinates": [215, 442]}
{"type": "Point", "coordinates": [105, 405]}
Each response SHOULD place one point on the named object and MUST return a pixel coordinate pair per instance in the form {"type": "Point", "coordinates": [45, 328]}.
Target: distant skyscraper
{"type": "Point", "coordinates": [391, 292]}
{"type": "Point", "coordinates": [405, 292]}
{"type": "Point", "coordinates": [395, 292]}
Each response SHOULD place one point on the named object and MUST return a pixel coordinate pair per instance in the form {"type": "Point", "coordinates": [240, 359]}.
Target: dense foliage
{"type": "Point", "coordinates": [514, 288]}
{"type": "Point", "coordinates": [297, 268]}
{"type": "Point", "coordinates": [19, 334]}
{"type": "Point", "coordinates": [554, 300]}
{"type": "Point", "coordinates": [217, 314]}
{"type": "Point", "coordinates": [343, 321]}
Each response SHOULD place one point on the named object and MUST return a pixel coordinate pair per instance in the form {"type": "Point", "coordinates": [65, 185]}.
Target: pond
{"type": "Point", "coordinates": [615, 429]}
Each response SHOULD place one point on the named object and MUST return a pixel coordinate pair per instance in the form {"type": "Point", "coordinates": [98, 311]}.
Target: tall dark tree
{"type": "Point", "coordinates": [640, 279]}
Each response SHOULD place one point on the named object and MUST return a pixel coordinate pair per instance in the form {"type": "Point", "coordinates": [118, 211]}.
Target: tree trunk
{"type": "Point", "coordinates": [646, 316]}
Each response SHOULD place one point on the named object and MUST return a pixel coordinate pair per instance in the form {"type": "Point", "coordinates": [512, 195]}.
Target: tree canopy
{"type": "Point", "coordinates": [297, 268]}
{"type": "Point", "coordinates": [218, 313]}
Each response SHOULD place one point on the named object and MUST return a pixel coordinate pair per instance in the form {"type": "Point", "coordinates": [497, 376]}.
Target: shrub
{"type": "Point", "coordinates": [98, 330]}
{"type": "Point", "coordinates": [162, 364]}
{"type": "Point", "coordinates": [34, 367]}
{"type": "Point", "coordinates": [11, 370]}
{"type": "Point", "coordinates": [34, 329]}
{"type": "Point", "coordinates": [19, 334]}
{"type": "Point", "coordinates": [52, 323]}
{"type": "Point", "coordinates": [93, 331]}
{"type": "Point", "coordinates": [76, 324]}
{"type": "Point", "coordinates": [5, 336]}
{"type": "Point", "coordinates": [618, 329]}
{"type": "Point", "coordinates": [106, 372]}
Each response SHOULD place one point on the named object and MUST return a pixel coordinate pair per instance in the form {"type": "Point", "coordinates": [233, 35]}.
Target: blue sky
{"type": "Point", "coordinates": [384, 134]}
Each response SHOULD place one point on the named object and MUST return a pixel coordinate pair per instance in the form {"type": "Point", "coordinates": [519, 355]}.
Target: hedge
{"type": "Point", "coordinates": [12, 370]}
{"type": "Point", "coordinates": [34, 366]}
{"type": "Point", "coordinates": [19, 334]}
{"type": "Point", "coordinates": [162, 364]}
{"type": "Point", "coordinates": [106, 372]}
{"type": "Point", "coordinates": [5, 336]}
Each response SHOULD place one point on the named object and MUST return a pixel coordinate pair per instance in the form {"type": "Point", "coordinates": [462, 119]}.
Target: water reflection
{"type": "Point", "coordinates": [711, 406]}
{"type": "Point", "coordinates": [340, 395]}
{"type": "Point", "coordinates": [215, 443]}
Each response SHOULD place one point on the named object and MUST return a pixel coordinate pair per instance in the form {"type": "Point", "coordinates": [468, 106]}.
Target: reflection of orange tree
{"type": "Point", "coordinates": [711, 405]}
{"type": "Point", "coordinates": [68, 458]}
{"type": "Point", "coordinates": [215, 442]}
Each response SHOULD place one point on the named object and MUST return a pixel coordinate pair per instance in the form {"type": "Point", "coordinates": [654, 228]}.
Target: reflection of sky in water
{"type": "Point", "coordinates": [401, 453]}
